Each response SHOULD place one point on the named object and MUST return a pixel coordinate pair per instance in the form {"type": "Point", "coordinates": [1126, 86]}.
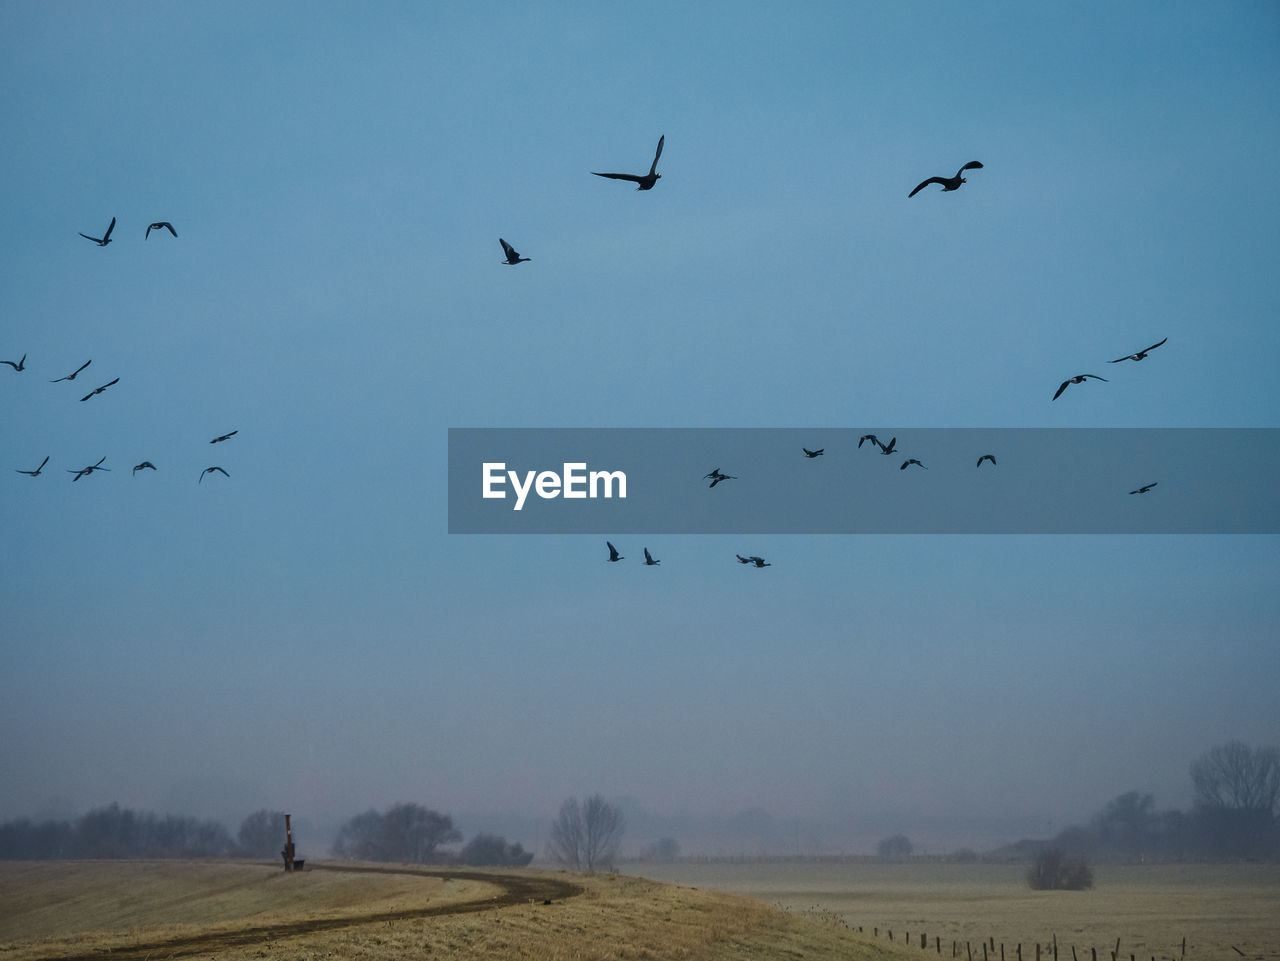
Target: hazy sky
{"type": "Point", "coordinates": [305, 634]}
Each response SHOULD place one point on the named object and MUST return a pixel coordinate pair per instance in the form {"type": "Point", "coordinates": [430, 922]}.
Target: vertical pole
{"type": "Point", "coordinates": [287, 853]}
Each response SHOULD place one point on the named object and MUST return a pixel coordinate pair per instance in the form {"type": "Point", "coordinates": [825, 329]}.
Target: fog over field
{"type": "Point", "coordinates": [302, 633]}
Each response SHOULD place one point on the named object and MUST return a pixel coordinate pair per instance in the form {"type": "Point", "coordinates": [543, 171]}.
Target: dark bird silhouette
{"type": "Point", "coordinates": [36, 472]}
{"type": "Point", "coordinates": [1144, 488]}
{"type": "Point", "coordinates": [146, 465]}
{"type": "Point", "coordinates": [99, 390]}
{"type": "Point", "coordinates": [1077, 379]}
{"type": "Point", "coordinates": [85, 471]}
{"type": "Point", "coordinates": [717, 477]}
{"type": "Point", "coordinates": [813, 453]}
{"type": "Point", "coordinates": [948, 183]}
{"type": "Point", "coordinates": [613, 552]}
{"type": "Point", "coordinates": [20, 365]}
{"type": "Point", "coordinates": [646, 181]}
{"type": "Point", "coordinates": [513, 257]}
{"type": "Point", "coordinates": [990, 457]}
{"type": "Point", "coordinates": [72, 375]}
{"type": "Point", "coordinates": [160, 225]}
{"type": "Point", "coordinates": [893, 441]}
{"type": "Point", "coordinates": [648, 559]}
{"type": "Point", "coordinates": [218, 440]}
{"type": "Point", "coordinates": [208, 470]}
{"type": "Point", "coordinates": [907, 463]}
{"type": "Point", "coordinates": [757, 561]}
{"type": "Point", "coordinates": [1140, 355]}
{"type": "Point", "coordinates": [742, 560]}
{"type": "Point", "coordinates": [105, 238]}
{"type": "Point", "coordinates": [871, 437]}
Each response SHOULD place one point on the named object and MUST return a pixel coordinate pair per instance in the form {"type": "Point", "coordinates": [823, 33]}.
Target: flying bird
{"type": "Point", "coordinates": [1140, 355]}
{"type": "Point", "coordinates": [717, 477]}
{"type": "Point", "coordinates": [948, 183]}
{"type": "Point", "coordinates": [98, 390]}
{"type": "Point", "coordinates": [870, 437]}
{"type": "Point", "coordinates": [1144, 488]}
{"type": "Point", "coordinates": [36, 472]}
{"type": "Point", "coordinates": [613, 552]}
{"type": "Point", "coordinates": [990, 457]}
{"type": "Point", "coordinates": [907, 463]}
{"type": "Point", "coordinates": [105, 238]}
{"type": "Point", "coordinates": [147, 465]}
{"type": "Point", "coordinates": [85, 471]}
{"type": "Point", "coordinates": [648, 558]}
{"type": "Point", "coordinates": [218, 440]}
{"type": "Point", "coordinates": [160, 225]}
{"type": "Point", "coordinates": [72, 375]}
{"type": "Point", "coordinates": [813, 453]}
{"type": "Point", "coordinates": [889, 450]}
{"type": "Point", "coordinates": [20, 365]}
{"type": "Point", "coordinates": [208, 470]}
{"type": "Point", "coordinates": [513, 257]}
{"type": "Point", "coordinates": [757, 561]}
{"type": "Point", "coordinates": [1077, 379]}
{"type": "Point", "coordinates": [646, 181]}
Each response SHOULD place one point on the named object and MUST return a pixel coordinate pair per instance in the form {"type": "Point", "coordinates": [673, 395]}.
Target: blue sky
{"type": "Point", "coordinates": [306, 634]}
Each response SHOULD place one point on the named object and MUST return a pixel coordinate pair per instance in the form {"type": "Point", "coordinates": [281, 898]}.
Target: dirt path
{"type": "Point", "coordinates": [516, 889]}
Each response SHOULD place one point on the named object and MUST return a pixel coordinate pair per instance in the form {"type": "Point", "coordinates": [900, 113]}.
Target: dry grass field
{"type": "Point", "coordinates": [1150, 908]}
{"type": "Point", "coordinates": [239, 911]}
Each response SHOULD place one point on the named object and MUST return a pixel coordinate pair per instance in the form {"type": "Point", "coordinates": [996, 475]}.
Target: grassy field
{"type": "Point", "coordinates": [142, 910]}
{"type": "Point", "coordinates": [765, 911]}
{"type": "Point", "coordinates": [1150, 908]}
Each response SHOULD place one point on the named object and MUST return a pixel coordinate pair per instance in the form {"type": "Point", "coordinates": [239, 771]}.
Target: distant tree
{"type": "Point", "coordinates": [1237, 789]}
{"type": "Point", "coordinates": [663, 849]}
{"type": "Point", "coordinates": [405, 832]}
{"type": "Point", "coordinates": [586, 836]}
{"type": "Point", "coordinates": [1052, 870]}
{"type": "Point", "coordinates": [898, 846]}
{"type": "Point", "coordinates": [488, 850]}
{"type": "Point", "coordinates": [1128, 824]}
{"type": "Point", "coordinates": [963, 856]}
{"type": "Point", "coordinates": [261, 834]}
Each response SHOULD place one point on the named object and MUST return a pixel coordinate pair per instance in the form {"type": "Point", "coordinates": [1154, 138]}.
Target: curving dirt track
{"type": "Point", "coordinates": [516, 889]}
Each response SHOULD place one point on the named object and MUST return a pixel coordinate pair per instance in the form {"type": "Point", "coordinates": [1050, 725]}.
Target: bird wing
{"type": "Point", "coordinates": [508, 249]}
{"type": "Point", "coordinates": [1096, 377]}
{"type": "Point", "coordinates": [1061, 388]}
{"type": "Point", "coordinates": [647, 556]}
{"type": "Point", "coordinates": [87, 396]}
{"type": "Point", "coordinates": [654, 166]}
{"type": "Point", "coordinates": [923, 184]}
{"type": "Point", "coordinates": [109, 384]}
{"type": "Point", "coordinates": [169, 227]}
{"type": "Point", "coordinates": [94, 239]}
{"type": "Point", "coordinates": [971, 165]}
{"type": "Point", "coordinates": [632, 177]}
{"type": "Point", "coordinates": [1154, 346]}
{"type": "Point", "coordinates": [110, 227]}
{"type": "Point", "coordinates": [1125, 357]}
{"type": "Point", "coordinates": [148, 233]}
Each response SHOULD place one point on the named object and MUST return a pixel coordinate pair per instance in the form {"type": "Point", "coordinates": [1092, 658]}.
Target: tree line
{"type": "Point", "coordinates": [1236, 796]}
{"type": "Point", "coordinates": [405, 832]}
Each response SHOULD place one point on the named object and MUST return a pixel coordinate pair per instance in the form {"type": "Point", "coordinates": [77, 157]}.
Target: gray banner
{"type": "Point", "coordinates": [1042, 481]}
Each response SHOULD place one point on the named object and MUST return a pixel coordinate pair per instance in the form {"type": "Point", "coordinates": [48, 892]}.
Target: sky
{"type": "Point", "coordinates": [305, 634]}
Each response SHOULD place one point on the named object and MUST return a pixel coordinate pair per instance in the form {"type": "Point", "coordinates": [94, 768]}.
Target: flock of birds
{"type": "Point", "coordinates": [21, 365]}
{"type": "Point", "coordinates": [647, 182]}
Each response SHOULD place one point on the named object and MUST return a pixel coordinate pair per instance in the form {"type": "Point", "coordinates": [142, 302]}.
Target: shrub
{"type": "Point", "coordinates": [1052, 870]}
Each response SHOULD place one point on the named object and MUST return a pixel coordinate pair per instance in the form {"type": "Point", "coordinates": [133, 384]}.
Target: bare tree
{"type": "Point", "coordinates": [1235, 776]}
{"type": "Point", "coordinates": [261, 834]}
{"type": "Point", "coordinates": [1236, 792]}
{"type": "Point", "coordinates": [585, 836]}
